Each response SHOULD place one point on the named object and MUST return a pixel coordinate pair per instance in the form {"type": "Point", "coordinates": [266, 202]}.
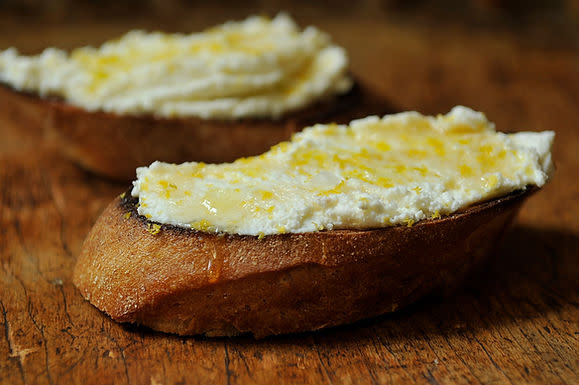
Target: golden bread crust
{"type": "Point", "coordinates": [114, 145]}
{"type": "Point", "coordinates": [188, 282]}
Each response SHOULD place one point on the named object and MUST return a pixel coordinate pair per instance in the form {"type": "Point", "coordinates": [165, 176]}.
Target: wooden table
{"type": "Point", "coordinates": [517, 323]}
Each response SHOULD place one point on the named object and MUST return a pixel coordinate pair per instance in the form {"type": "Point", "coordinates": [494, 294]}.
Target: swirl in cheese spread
{"type": "Point", "coordinates": [372, 173]}
{"type": "Point", "coordinates": [253, 68]}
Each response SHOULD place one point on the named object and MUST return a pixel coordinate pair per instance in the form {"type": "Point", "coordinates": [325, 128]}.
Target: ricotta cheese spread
{"type": "Point", "coordinates": [374, 172]}
{"type": "Point", "coordinates": [256, 68]}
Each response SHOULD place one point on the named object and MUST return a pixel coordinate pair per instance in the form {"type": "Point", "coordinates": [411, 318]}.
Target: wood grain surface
{"type": "Point", "coordinates": [516, 322]}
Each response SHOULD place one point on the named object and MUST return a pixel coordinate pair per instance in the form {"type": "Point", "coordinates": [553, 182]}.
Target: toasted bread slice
{"type": "Point", "coordinates": [114, 145]}
{"type": "Point", "coordinates": [183, 281]}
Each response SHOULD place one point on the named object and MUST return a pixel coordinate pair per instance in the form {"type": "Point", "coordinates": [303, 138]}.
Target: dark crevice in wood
{"type": "Point", "coordinates": [62, 231]}
{"type": "Point", "coordinates": [243, 359]}
{"type": "Point", "coordinates": [34, 261]}
{"type": "Point", "coordinates": [387, 347]}
{"type": "Point", "coordinates": [40, 329]}
{"type": "Point", "coordinates": [324, 368]}
{"type": "Point", "coordinates": [124, 359]}
{"type": "Point", "coordinates": [366, 364]}
{"type": "Point", "coordinates": [67, 331]}
{"type": "Point", "coordinates": [546, 339]}
{"type": "Point", "coordinates": [121, 350]}
{"type": "Point", "coordinates": [436, 356]}
{"type": "Point", "coordinates": [547, 362]}
{"type": "Point", "coordinates": [73, 365]}
{"type": "Point", "coordinates": [460, 358]}
{"type": "Point", "coordinates": [65, 304]}
{"type": "Point", "coordinates": [492, 360]}
{"type": "Point", "coordinates": [8, 336]}
{"type": "Point", "coordinates": [226, 364]}
{"type": "Point", "coordinates": [430, 378]}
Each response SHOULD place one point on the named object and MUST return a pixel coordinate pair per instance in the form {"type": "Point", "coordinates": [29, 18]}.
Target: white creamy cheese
{"type": "Point", "coordinates": [375, 172]}
{"type": "Point", "coordinates": [254, 68]}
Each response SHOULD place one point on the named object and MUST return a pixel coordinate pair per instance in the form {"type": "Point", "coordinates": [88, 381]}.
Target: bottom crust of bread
{"type": "Point", "coordinates": [188, 282]}
{"type": "Point", "coordinates": [113, 145]}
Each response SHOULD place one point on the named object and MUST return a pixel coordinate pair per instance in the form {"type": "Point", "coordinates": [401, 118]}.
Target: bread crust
{"type": "Point", "coordinates": [188, 282]}
{"type": "Point", "coordinates": [114, 145]}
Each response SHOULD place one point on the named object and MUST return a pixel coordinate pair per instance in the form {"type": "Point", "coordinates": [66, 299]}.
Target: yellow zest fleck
{"type": "Point", "coordinates": [465, 170]}
{"type": "Point", "coordinates": [529, 171]}
{"type": "Point", "coordinates": [436, 215]}
{"type": "Point", "coordinates": [281, 229]}
{"type": "Point", "coordinates": [154, 228]}
{"type": "Point", "coordinates": [331, 128]}
{"type": "Point", "coordinates": [357, 174]}
{"type": "Point", "coordinates": [335, 190]}
{"type": "Point", "coordinates": [203, 225]}
{"type": "Point", "coordinates": [400, 168]}
{"type": "Point", "coordinates": [437, 144]}
{"type": "Point", "coordinates": [281, 147]}
{"type": "Point", "coordinates": [486, 161]}
{"type": "Point", "coordinates": [265, 195]}
{"type": "Point", "coordinates": [251, 172]}
{"type": "Point", "coordinates": [384, 182]}
{"type": "Point", "coordinates": [383, 146]}
{"type": "Point", "coordinates": [127, 215]}
{"type": "Point", "coordinates": [198, 173]}
{"type": "Point", "coordinates": [422, 170]}
{"type": "Point", "coordinates": [339, 160]}
{"type": "Point", "coordinates": [409, 222]}
{"type": "Point", "coordinates": [486, 149]}
{"type": "Point", "coordinates": [243, 161]}
{"type": "Point", "coordinates": [261, 235]}
{"type": "Point", "coordinates": [420, 154]}
{"type": "Point", "coordinates": [491, 181]}
{"type": "Point", "coordinates": [122, 195]}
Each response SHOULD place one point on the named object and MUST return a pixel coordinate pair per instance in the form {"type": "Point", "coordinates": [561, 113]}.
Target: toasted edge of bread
{"type": "Point", "coordinates": [188, 282]}
{"type": "Point", "coordinates": [114, 145]}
